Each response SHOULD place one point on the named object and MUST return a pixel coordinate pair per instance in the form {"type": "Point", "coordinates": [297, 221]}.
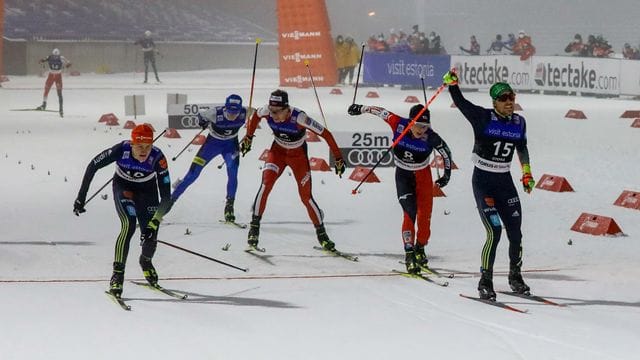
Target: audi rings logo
{"type": "Point", "coordinates": [189, 121]}
{"type": "Point", "coordinates": [367, 156]}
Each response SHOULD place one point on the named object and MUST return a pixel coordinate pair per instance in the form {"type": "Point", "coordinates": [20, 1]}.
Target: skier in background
{"type": "Point", "coordinates": [414, 185]}
{"type": "Point", "coordinates": [56, 63]}
{"type": "Point", "coordinates": [223, 123]}
{"type": "Point", "coordinates": [289, 148]}
{"type": "Point", "coordinates": [499, 132]}
{"type": "Point", "coordinates": [149, 50]}
{"type": "Point", "coordinates": [141, 172]}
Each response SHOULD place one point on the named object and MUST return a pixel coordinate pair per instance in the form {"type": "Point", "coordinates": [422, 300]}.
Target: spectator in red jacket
{"type": "Point", "coordinates": [576, 47]}
{"type": "Point", "coordinates": [524, 47]}
{"type": "Point", "coordinates": [630, 53]}
{"type": "Point", "coordinates": [474, 47]}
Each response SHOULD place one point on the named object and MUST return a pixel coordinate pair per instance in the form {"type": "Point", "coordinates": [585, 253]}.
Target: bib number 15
{"type": "Point", "coordinates": [503, 149]}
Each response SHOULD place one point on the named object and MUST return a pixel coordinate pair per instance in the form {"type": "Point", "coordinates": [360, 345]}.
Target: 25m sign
{"type": "Point", "coordinates": [364, 148]}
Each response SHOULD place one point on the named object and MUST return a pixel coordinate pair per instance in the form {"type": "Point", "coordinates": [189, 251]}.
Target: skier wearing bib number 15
{"type": "Point", "coordinates": [499, 133]}
{"type": "Point", "coordinates": [414, 184]}
{"type": "Point", "coordinates": [223, 123]}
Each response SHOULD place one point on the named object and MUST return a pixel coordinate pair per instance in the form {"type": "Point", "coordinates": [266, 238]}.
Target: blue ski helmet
{"type": "Point", "coordinates": [233, 104]}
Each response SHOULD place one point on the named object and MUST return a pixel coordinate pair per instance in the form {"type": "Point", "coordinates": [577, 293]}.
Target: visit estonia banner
{"type": "Point", "coordinates": [404, 69]}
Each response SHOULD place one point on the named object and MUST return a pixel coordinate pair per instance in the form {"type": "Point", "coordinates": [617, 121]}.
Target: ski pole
{"type": "Point", "coordinates": [424, 89]}
{"type": "Point", "coordinates": [413, 121]}
{"type": "Point", "coordinates": [306, 63]}
{"type": "Point", "coordinates": [110, 180]}
{"type": "Point", "coordinates": [355, 91]}
{"type": "Point", "coordinates": [202, 256]}
{"type": "Point", "coordinates": [186, 146]}
{"type": "Point", "coordinates": [253, 78]}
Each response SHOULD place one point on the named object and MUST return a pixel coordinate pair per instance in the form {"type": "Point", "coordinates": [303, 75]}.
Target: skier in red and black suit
{"type": "Point", "coordinates": [414, 185]}
{"type": "Point", "coordinates": [289, 148]}
{"type": "Point", "coordinates": [141, 172]}
{"type": "Point", "coordinates": [56, 63]}
{"type": "Point", "coordinates": [499, 133]}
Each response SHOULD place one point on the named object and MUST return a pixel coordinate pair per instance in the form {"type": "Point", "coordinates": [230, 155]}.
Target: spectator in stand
{"type": "Point", "coordinates": [601, 47]}
{"type": "Point", "coordinates": [496, 46]}
{"type": "Point", "coordinates": [435, 46]}
{"type": "Point", "coordinates": [341, 58]}
{"type": "Point", "coordinates": [524, 47]}
{"type": "Point", "coordinates": [474, 47]}
{"type": "Point", "coordinates": [377, 43]}
{"type": "Point", "coordinates": [352, 59]}
{"type": "Point", "coordinates": [630, 53]}
{"type": "Point", "coordinates": [511, 41]}
{"type": "Point", "coordinates": [402, 44]}
{"type": "Point", "coordinates": [576, 47]}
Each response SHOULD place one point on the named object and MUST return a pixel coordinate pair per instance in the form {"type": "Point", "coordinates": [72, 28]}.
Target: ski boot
{"type": "Point", "coordinates": [421, 257]}
{"type": "Point", "coordinates": [323, 238]}
{"type": "Point", "coordinates": [228, 211]}
{"type": "Point", "coordinates": [254, 231]}
{"type": "Point", "coordinates": [148, 270]}
{"type": "Point", "coordinates": [43, 106]}
{"type": "Point", "coordinates": [516, 282]}
{"type": "Point", "coordinates": [485, 286]}
{"type": "Point", "coordinates": [117, 279]}
{"type": "Point", "coordinates": [410, 260]}
{"type": "Point", "coordinates": [61, 113]}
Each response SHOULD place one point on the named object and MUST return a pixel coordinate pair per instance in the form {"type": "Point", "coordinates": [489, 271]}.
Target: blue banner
{"type": "Point", "coordinates": [404, 69]}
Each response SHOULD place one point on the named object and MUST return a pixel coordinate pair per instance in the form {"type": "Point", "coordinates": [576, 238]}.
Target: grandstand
{"type": "Point", "coordinates": [122, 20]}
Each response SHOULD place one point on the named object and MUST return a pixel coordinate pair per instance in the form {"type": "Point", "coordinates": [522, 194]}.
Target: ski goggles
{"type": "Point", "coordinates": [506, 96]}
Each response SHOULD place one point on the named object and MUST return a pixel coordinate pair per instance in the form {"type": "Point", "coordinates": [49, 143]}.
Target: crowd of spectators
{"type": "Point", "coordinates": [521, 46]}
{"type": "Point", "coordinates": [596, 46]}
{"type": "Point", "coordinates": [400, 42]}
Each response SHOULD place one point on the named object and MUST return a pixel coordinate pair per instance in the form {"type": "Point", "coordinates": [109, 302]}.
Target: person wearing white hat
{"type": "Point", "coordinates": [56, 64]}
{"type": "Point", "coordinates": [149, 50]}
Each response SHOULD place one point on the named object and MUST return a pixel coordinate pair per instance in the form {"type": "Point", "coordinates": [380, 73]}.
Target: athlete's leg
{"type": "Point", "coordinates": [485, 201]}
{"type": "Point", "coordinates": [273, 168]}
{"type": "Point", "coordinates": [406, 192]}
{"type": "Point", "coordinates": [424, 196]}
{"type": "Point", "coordinates": [208, 151]}
{"type": "Point", "coordinates": [126, 209]}
{"type": "Point", "coordinates": [232, 162]}
{"type": "Point", "coordinates": [299, 162]}
{"type": "Point", "coordinates": [510, 211]}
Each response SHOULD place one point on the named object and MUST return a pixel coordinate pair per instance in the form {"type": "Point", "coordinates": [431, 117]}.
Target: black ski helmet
{"type": "Point", "coordinates": [279, 98]}
{"type": "Point", "coordinates": [424, 118]}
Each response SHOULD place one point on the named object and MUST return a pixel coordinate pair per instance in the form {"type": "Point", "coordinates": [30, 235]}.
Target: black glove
{"type": "Point", "coordinates": [340, 167]}
{"type": "Point", "coordinates": [355, 109]}
{"type": "Point", "coordinates": [78, 207]}
{"type": "Point", "coordinates": [443, 181]}
{"type": "Point", "coordinates": [150, 233]}
{"type": "Point", "coordinates": [245, 145]}
{"type": "Point", "coordinates": [202, 122]}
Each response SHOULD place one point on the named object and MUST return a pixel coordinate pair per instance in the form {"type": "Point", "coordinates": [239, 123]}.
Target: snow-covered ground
{"type": "Point", "coordinates": [297, 302]}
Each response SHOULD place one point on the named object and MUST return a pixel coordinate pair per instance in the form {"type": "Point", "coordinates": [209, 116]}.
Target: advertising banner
{"type": "Point", "coordinates": [304, 35]}
{"type": "Point", "coordinates": [185, 116]}
{"type": "Point", "coordinates": [404, 69]}
{"type": "Point", "coordinates": [480, 72]}
{"type": "Point", "coordinates": [364, 148]}
{"type": "Point", "coordinates": [630, 77]}
{"type": "Point", "coordinates": [588, 75]}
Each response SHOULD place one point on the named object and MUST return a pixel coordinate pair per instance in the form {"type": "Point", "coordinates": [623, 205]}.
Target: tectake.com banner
{"type": "Point", "coordinates": [630, 82]}
{"type": "Point", "coordinates": [480, 72]}
{"type": "Point", "coordinates": [589, 75]}
{"type": "Point", "coordinates": [404, 69]}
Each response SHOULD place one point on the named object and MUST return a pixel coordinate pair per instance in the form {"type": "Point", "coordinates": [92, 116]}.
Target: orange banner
{"type": "Point", "coordinates": [304, 34]}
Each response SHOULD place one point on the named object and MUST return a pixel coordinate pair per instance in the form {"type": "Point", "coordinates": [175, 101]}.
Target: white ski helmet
{"type": "Point", "coordinates": [147, 33]}
{"type": "Point", "coordinates": [55, 52]}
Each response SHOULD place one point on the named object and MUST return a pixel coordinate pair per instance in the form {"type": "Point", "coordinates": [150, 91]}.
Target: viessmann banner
{"type": "Point", "coordinates": [404, 69]}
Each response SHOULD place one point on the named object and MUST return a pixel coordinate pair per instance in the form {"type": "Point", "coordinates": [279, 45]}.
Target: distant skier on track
{"type": "Point", "coordinates": [56, 64]}
{"type": "Point", "coordinates": [499, 133]}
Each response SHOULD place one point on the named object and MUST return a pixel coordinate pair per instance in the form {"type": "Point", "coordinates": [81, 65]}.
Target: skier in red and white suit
{"type": "Point", "coordinates": [56, 63]}
{"type": "Point", "coordinates": [289, 148]}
